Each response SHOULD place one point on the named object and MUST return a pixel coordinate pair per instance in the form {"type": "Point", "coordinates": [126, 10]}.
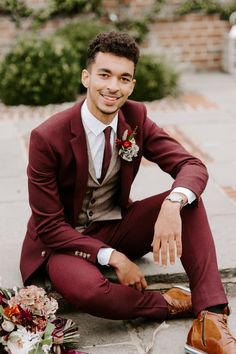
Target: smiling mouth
{"type": "Point", "coordinates": [110, 98]}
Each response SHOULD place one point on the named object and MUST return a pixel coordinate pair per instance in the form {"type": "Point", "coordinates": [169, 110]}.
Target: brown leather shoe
{"type": "Point", "coordinates": [210, 335]}
{"type": "Point", "coordinates": [179, 303]}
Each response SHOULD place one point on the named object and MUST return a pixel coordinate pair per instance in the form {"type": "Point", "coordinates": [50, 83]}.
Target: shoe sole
{"type": "Point", "coordinates": [191, 350]}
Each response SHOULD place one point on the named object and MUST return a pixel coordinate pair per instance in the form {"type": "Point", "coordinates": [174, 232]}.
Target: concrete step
{"type": "Point", "coordinates": [157, 278]}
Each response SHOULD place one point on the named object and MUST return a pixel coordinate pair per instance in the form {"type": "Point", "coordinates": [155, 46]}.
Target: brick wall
{"type": "Point", "coordinates": [192, 41]}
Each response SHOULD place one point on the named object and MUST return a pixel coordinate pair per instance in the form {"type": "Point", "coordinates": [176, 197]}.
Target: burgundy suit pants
{"type": "Point", "coordinates": [82, 283]}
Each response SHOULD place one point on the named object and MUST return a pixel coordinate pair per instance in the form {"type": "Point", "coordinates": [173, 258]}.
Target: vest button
{"type": "Point", "coordinates": [90, 213]}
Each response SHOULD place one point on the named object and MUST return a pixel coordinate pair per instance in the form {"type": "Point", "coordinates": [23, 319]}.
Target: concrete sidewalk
{"type": "Point", "coordinates": [203, 118]}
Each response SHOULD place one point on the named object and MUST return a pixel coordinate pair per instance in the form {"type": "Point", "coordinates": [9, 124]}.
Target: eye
{"type": "Point", "coordinates": [103, 75]}
{"type": "Point", "coordinates": [125, 79]}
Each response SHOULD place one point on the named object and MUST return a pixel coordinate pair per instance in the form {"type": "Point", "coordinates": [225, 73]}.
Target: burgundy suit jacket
{"type": "Point", "coordinates": [58, 173]}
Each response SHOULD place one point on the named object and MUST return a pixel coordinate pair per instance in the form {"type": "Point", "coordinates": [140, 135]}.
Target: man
{"type": "Point", "coordinates": [82, 163]}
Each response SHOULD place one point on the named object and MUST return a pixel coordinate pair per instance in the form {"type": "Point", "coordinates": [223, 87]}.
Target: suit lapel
{"type": "Point", "coordinates": [79, 148]}
{"type": "Point", "coordinates": [126, 169]}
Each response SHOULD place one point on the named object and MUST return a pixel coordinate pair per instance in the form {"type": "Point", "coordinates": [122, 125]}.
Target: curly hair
{"type": "Point", "coordinates": [117, 43]}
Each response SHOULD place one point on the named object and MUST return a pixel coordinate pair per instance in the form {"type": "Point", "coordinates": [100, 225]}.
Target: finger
{"type": "Point", "coordinates": [156, 250]}
{"type": "Point", "coordinates": [164, 253]}
{"type": "Point", "coordinates": [172, 251]}
{"type": "Point", "coordinates": [143, 283]}
{"type": "Point", "coordinates": [179, 246]}
{"type": "Point", "coordinates": [138, 286]}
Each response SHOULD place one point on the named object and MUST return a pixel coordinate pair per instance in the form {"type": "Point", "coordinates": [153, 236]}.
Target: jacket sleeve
{"type": "Point", "coordinates": [186, 170]}
{"type": "Point", "coordinates": [47, 210]}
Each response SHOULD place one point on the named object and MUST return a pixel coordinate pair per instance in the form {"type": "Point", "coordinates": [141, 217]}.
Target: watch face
{"type": "Point", "coordinates": [175, 198]}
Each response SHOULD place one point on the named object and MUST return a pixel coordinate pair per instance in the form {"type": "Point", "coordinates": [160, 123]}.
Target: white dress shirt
{"type": "Point", "coordinates": [96, 139]}
{"type": "Point", "coordinates": [95, 136]}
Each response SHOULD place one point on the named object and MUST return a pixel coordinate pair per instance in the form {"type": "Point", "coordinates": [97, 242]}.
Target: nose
{"type": "Point", "coordinates": [113, 84]}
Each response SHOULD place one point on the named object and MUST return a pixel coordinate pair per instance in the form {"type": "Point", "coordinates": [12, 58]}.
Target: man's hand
{"type": "Point", "coordinates": [127, 272]}
{"type": "Point", "coordinates": [167, 234]}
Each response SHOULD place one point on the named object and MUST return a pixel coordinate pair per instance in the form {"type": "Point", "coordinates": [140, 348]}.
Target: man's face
{"type": "Point", "coordinates": [109, 82]}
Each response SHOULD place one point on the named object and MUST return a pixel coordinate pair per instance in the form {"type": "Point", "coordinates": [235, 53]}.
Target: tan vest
{"type": "Point", "coordinates": [100, 202]}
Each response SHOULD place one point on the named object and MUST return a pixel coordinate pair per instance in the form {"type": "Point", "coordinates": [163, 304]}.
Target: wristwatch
{"type": "Point", "coordinates": [176, 198]}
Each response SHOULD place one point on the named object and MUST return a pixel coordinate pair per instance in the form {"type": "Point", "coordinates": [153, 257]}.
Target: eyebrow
{"type": "Point", "coordinates": [109, 72]}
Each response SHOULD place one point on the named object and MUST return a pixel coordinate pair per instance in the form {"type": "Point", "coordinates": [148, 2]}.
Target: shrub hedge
{"type": "Point", "coordinates": [38, 72]}
{"type": "Point", "coordinates": [156, 78]}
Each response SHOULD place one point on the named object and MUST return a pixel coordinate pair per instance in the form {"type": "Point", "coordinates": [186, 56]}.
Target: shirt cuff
{"type": "Point", "coordinates": [104, 255]}
{"type": "Point", "coordinates": [187, 192]}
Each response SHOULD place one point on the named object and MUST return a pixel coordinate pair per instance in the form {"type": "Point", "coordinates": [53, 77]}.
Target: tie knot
{"type": "Point", "coordinates": [107, 131]}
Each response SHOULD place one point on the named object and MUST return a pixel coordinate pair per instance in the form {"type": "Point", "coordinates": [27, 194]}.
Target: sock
{"type": "Point", "coordinates": [216, 309]}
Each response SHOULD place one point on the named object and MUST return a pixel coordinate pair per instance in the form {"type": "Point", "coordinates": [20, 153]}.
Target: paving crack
{"type": "Point", "coordinates": [135, 338]}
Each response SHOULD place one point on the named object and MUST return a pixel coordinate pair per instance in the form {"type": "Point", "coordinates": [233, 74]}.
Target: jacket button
{"type": "Point", "coordinates": [43, 254]}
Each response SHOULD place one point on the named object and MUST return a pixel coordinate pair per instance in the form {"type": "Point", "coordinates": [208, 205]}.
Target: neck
{"type": "Point", "coordinates": [107, 119]}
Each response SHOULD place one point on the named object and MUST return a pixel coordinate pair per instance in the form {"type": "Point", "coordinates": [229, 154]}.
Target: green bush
{"type": "Point", "coordinates": [208, 7]}
{"type": "Point", "coordinates": [38, 72]}
{"type": "Point", "coordinates": [16, 9]}
{"type": "Point", "coordinates": [138, 29]}
{"type": "Point", "coordinates": [156, 78]}
{"type": "Point", "coordinates": [228, 9]}
{"type": "Point", "coordinates": [75, 6]}
{"type": "Point", "coordinates": [67, 8]}
{"type": "Point", "coordinates": [78, 35]}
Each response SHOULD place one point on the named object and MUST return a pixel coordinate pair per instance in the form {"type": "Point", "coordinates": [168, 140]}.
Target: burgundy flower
{"type": "Point", "coordinates": [59, 322]}
{"type": "Point", "coordinates": [25, 316]}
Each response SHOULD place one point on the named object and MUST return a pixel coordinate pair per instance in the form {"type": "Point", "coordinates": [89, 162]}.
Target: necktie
{"type": "Point", "coordinates": [107, 153]}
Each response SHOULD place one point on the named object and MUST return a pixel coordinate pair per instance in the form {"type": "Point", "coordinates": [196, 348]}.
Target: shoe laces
{"type": "Point", "coordinates": [225, 328]}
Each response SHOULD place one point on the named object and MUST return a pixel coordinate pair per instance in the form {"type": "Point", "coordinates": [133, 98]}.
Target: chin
{"type": "Point", "coordinates": [108, 111]}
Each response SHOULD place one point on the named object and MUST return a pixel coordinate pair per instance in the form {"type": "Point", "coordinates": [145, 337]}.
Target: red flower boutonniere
{"type": "Point", "coordinates": [128, 149]}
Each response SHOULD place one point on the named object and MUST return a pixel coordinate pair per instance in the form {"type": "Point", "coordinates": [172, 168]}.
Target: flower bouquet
{"type": "Point", "coordinates": [28, 324]}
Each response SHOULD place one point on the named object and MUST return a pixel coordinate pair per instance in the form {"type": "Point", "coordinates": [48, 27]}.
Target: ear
{"type": "Point", "coordinates": [85, 76]}
{"type": "Point", "coordinates": [132, 86]}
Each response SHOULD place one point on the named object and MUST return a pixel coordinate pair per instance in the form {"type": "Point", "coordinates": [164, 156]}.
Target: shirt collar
{"type": "Point", "coordinates": [91, 123]}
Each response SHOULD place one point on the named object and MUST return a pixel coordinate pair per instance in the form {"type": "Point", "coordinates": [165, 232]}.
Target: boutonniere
{"type": "Point", "coordinates": [128, 149]}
